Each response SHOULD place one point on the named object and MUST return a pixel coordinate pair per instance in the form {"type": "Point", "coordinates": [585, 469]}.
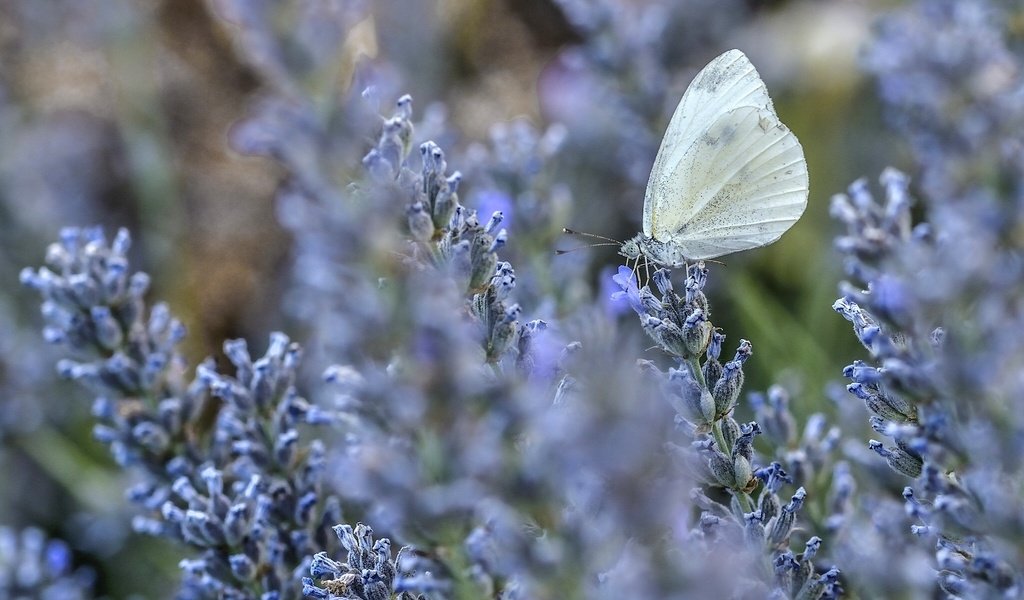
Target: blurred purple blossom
{"type": "Point", "coordinates": [490, 201]}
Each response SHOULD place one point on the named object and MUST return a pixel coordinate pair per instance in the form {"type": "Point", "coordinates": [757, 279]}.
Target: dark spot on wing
{"type": "Point", "coordinates": [726, 136]}
{"type": "Point", "coordinates": [710, 82]}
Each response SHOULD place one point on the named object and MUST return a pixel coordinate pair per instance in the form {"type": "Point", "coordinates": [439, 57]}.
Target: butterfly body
{"type": "Point", "coordinates": [664, 254]}
{"type": "Point", "coordinates": [729, 175]}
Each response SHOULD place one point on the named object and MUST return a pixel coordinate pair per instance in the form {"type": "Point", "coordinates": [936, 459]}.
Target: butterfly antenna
{"type": "Point", "coordinates": [561, 252]}
{"type": "Point", "coordinates": [568, 231]}
{"type": "Point", "coordinates": [717, 262]}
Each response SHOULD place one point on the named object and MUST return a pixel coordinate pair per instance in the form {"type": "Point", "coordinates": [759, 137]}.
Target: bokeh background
{"type": "Point", "coordinates": [120, 113]}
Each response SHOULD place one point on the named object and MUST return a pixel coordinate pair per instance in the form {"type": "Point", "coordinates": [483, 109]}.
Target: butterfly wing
{"type": "Point", "coordinates": [728, 82]}
{"type": "Point", "coordinates": [740, 185]}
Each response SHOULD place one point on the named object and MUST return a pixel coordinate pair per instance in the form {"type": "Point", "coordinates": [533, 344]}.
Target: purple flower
{"type": "Point", "coordinates": [626, 280]}
{"type": "Point", "coordinates": [490, 201]}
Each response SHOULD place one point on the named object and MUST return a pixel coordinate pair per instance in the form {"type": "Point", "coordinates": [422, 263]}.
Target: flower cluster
{"type": "Point", "coordinates": [464, 249]}
{"type": "Point", "coordinates": [516, 173]}
{"type": "Point", "coordinates": [224, 465]}
{"type": "Point", "coordinates": [32, 566]}
{"type": "Point", "coordinates": [704, 394]}
{"type": "Point", "coordinates": [936, 304]}
{"type": "Point", "coordinates": [369, 571]}
{"type": "Point", "coordinates": [938, 412]}
{"type": "Point", "coordinates": [439, 363]}
{"type": "Point", "coordinates": [950, 79]}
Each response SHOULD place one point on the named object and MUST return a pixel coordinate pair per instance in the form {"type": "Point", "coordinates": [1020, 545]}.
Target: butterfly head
{"type": "Point", "coordinates": [632, 248]}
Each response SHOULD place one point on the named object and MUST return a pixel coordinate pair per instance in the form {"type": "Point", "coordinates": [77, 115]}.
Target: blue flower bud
{"type": "Point", "coordinates": [183, 488]}
{"type": "Point", "coordinates": [495, 220]}
{"type": "Point", "coordinates": [499, 241]}
{"type": "Point", "coordinates": [731, 431]}
{"type": "Point", "coordinates": [727, 388]}
{"type": "Point", "coordinates": [753, 532]}
{"type": "Point", "coordinates": [421, 224]}
{"type": "Point", "coordinates": [666, 333]}
{"type": "Point", "coordinates": [696, 333]}
{"type": "Point", "coordinates": [151, 436]}
{"type": "Point", "coordinates": [690, 399]}
{"type": "Point", "coordinates": [105, 434]}
{"type": "Point", "coordinates": [899, 459]}
{"type": "Point", "coordinates": [484, 261]}
{"type": "Point", "coordinates": [311, 591]}
{"type": "Point", "coordinates": [504, 333]}
{"type": "Point", "coordinates": [781, 525]}
{"type": "Point", "coordinates": [108, 331]}
{"type": "Point", "coordinates": [811, 549]}
{"type": "Point", "coordinates": [888, 406]}
{"type": "Point", "coordinates": [721, 467]}
{"type": "Point", "coordinates": [663, 281]}
{"type": "Point", "coordinates": [285, 448]}
{"type": "Point", "coordinates": [242, 567]}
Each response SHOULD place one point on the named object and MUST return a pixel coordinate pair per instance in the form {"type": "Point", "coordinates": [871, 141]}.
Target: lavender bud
{"type": "Point", "coordinates": [690, 399]}
{"type": "Point", "coordinates": [108, 331]}
{"type": "Point", "coordinates": [151, 436]}
{"type": "Point", "coordinates": [727, 388]}
{"type": "Point", "coordinates": [323, 566]}
{"type": "Point", "coordinates": [235, 524]}
{"type": "Point", "coordinates": [696, 333]}
{"type": "Point", "coordinates": [769, 504]}
{"type": "Point", "coordinates": [730, 431]}
{"type": "Point", "coordinates": [504, 333]}
{"type": "Point", "coordinates": [311, 591]}
{"type": "Point", "coordinates": [242, 567]}
{"type": "Point", "coordinates": [721, 467]}
{"type": "Point", "coordinates": [483, 261]}
{"type": "Point", "coordinates": [662, 281]}
{"type": "Point", "coordinates": [421, 226]}
{"type": "Point", "coordinates": [899, 459]}
{"type": "Point", "coordinates": [782, 525]}
{"type": "Point", "coordinates": [754, 532]}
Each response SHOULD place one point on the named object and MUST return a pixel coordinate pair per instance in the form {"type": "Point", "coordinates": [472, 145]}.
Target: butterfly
{"type": "Point", "coordinates": [729, 175]}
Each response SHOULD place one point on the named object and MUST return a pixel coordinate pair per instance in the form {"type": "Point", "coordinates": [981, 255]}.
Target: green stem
{"type": "Point", "coordinates": [746, 502]}
{"type": "Point", "coordinates": [694, 363]}
{"type": "Point", "coordinates": [716, 432]}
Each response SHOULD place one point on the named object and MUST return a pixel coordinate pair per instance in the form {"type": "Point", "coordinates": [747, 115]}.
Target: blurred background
{"type": "Point", "coordinates": [120, 113]}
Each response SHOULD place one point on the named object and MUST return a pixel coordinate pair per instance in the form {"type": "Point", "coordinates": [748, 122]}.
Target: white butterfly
{"type": "Point", "coordinates": [729, 176]}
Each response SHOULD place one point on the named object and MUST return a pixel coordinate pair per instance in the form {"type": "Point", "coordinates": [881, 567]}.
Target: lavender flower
{"type": "Point", "coordinates": [32, 566]}
{"type": "Point", "coordinates": [925, 295]}
{"type": "Point", "coordinates": [369, 571]}
{"type": "Point", "coordinates": [224, 467]}
{"type": "Point", "coordinates": [949, 77]}
{"type": "Point", "coordinates": [704, 394]}
{"type": "Point", "coordinates": [925, 300]}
